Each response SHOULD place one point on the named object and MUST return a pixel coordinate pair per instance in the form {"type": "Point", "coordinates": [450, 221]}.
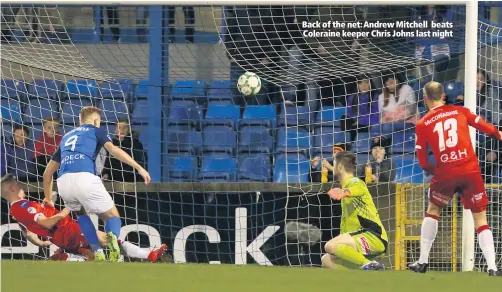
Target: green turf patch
{"type": "Point", "coordinates": [29, 276]}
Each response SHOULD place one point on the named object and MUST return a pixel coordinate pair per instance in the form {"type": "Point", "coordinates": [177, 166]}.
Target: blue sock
{"type": "Point", "coordinates": [113, 225]}
{"type": "Point", "coordinates": [89, 231]}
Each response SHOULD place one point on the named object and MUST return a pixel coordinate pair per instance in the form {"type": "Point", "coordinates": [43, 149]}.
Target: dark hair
{"type": "Point", "coordinates": [21, 127]}
{"type": "Point", "coordinates": [386, 92]}
{"type": "Point", "coordinates": [356, 97]}
{"type": "Point", "coordinates": [347, 159]}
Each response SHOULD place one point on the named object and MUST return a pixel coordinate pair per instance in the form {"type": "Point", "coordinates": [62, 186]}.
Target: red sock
{"type": "Point", "coordinates": [482, 228]}
{"type": "Point", "coordinates": [432, 216]}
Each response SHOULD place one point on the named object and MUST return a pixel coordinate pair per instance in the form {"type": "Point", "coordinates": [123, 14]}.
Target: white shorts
{"type": "Point", "coordinates": [84, 189]}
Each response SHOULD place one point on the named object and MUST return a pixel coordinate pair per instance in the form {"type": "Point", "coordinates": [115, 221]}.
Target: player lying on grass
{"type": "Point", "coordinates": [79, 185]}
{"type": "Point", "coordinates": [445, 131]}
{"type": "Point", "coordinates": [57, 227]}
{"type": "Point", "coordinates": [362, 235]}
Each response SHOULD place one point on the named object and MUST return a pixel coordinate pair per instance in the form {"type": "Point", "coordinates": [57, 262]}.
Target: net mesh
{"type": "Point", "coordinates": [242, 177]}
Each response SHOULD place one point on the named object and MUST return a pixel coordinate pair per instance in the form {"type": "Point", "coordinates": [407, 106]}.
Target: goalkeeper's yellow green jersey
{"type": "Point", "coordinates": [359, 211]}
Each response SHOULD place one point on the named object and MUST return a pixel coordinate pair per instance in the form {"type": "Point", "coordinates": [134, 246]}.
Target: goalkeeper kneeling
{"type": "Point", "coordinates": [362, 235]}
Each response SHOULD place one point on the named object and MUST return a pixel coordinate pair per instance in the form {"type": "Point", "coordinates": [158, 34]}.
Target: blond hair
{"type": "Point", "coordinates": [88, 111]}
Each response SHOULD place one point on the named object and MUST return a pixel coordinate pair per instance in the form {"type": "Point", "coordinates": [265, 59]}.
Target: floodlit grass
{"type": "Point", "coordinates": [21, 276]}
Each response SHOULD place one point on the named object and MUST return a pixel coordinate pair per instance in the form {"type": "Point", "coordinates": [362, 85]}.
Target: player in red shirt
{"type": "Point", "coordinates": [445, 131]}
{"type": "Point", "coordinates": [57, 227]}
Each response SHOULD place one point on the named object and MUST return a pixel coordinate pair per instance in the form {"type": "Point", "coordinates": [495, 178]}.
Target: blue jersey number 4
{"type": "Point", "coordinates": [72, 141]}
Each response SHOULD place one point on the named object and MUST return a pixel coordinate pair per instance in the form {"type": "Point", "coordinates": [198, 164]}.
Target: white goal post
{"type": "Point", "coordinates": [471, 46]}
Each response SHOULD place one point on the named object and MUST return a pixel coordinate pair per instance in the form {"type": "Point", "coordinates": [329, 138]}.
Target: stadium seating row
{"type": "Point", "coordinates": [258, 168]}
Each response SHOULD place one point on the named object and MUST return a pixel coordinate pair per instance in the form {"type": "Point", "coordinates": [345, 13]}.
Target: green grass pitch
{"type": "Point", "coordinates": [21, 276]}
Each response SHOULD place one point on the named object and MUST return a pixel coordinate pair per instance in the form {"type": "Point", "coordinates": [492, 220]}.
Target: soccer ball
{"type": "Point", "coordinates": [249, 84]}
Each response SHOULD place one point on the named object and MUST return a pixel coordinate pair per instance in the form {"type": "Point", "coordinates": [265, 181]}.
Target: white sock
{"type": "Point", "coordinates": [134, 251]}
{"type": "Point", "coordinates": [485, 238]}
{"type": "Point", "coordinates": [427, 237]}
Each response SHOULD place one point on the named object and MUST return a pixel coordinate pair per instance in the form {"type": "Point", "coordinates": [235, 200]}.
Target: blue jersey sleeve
{"type": "Point", "coordinates": [57, 156]}
{"type": "Point", "coordinates": [102, 137]}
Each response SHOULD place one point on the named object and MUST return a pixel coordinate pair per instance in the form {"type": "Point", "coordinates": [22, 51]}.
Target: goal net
{"type": "Point", "coordinates": [242, 179]}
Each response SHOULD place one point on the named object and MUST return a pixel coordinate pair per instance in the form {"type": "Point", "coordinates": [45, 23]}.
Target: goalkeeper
{"type": "Point", "coordinates": [362, 235]}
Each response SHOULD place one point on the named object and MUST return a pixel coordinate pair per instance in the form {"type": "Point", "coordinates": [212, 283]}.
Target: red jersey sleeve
{"type": "Point", "coordinates": [478, 123]}
{"type": "Point", "coordinates": [422, 149]}
{"type": "Point", "coordinates": [26, 212]}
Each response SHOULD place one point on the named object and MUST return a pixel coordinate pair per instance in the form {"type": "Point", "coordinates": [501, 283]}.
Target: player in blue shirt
{"type": "Point", "coordinates": [79, 184]}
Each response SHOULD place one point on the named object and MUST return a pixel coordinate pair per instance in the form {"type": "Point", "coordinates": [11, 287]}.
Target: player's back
{"type": "Point", "coordinates": [79, 148]}
{"type": "Point", "coordinates": [27, 212]}
{"type": "Point", "coordinates": [360, 212]}
{"type": "Point", "coordinates": [445, 129]}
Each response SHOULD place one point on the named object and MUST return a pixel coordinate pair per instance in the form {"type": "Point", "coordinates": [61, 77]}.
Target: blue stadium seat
{"type": "Point", "coordinates": [362, 158]}
{"type": "Point", "coordinates": [403, 142]}
{"type": "Point", "coordinates": [13, 89]}
{"type": "Point", "coordinates": [36, 130]}
{"type": "Point", "coordinates": [330, 115]}
{"type": "Point", "coordinates": [81, 88]}
{"type": "Point", "coordinates": [189, 90]}
{"type": "Point", "coordinates": [220, 91]}
{"type": "Point", "coordinates": [259, 115]}
{"type": "Point", "coordinates": [141, 91]}
{"type": "Point", "coordinates": [325, 138]}
{"type": "Point", "coordinates": [254, 168]}
{"type": "Point", "coordinates": [452, 89]}
{"type": "Point", "coordinates": [218, 139]}
{"type": "Point", "coordinates": [182, 168]}
{"type": "Point", "coordinates": [293, 140]}
{"type": "Point", "coordinates": [121, 90]}
{"type": "Point", "coordinates": [178, 141]}
{"type": "Point", "coordinates": [408, 171]}
{"type": "Point", "coordinates": [222, 115]}
{"type": "Point", "coordinates": [218, 169]}
{"type": "Point", "coordinates": [110, 129]}
{"type": "Point", "coordinates": [39, 109]}
{"type": "Point", "coordinates": [362, 143]}
{"type": "Point", "coordinates": [184, 112]}
{"type": "Point", "coordinates": [46, 88]}
{"type": "Point", "coordinates": [298, 168]}
{"type": "Point", "coordinates": [71, 109]}
{"type": "Point", "coordinates": [295, 116]}
{"type": "Point", "coordinates": [112, 110]}
{"type": "Point", "coordinates": [11, 110]}
{"type": "Point", "coordinates": [140, 112]}
{"type": "Point", "coordinates": [375, 131]}
{"type": "Point", "coordinates": [255, 139]}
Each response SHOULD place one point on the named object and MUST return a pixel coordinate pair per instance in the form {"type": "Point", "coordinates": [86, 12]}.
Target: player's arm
{"type": "Point", "coordinates": [355, 188]}
{"type": "Point", "coordinates": [481, 125]}
{"type": "Point", "coordinates": [50, 222]}
{"type": "Point", "coordinates": [33, 238]}
{"type": "Point", "coordinates": [422, 149]}
{"type": "Point", "coordinates": [50, 170]}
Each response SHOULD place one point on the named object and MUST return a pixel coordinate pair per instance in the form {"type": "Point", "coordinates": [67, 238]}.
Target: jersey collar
{"type": "Point", "coordinates": [17, 201]}
{"type": "Point", "coordinates": [438, 106]}
{"type": "Point", "coordinates": [346, 180]}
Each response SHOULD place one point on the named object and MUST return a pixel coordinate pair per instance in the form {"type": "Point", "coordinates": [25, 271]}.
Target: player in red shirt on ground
{"type": "Point", "coordinates": [445, 131]}
{"type": "Point", "coordinates": [57, 227]}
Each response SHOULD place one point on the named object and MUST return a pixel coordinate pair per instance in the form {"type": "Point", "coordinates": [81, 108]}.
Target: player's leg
{"type": "Point", "coordinates": [332, 262]}
{"type": "Point", "coordinates": [348, 248]}
{"type": "Point", "coordinates": [474, 198]}
{"type": "Point", "coordinates": [134, 251]}
{"type": "Point", "coordinates": [98, 201]}
{"type": "Point", "coordinates": [440, 194]}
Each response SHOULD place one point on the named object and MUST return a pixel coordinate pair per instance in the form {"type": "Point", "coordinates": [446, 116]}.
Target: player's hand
{"type": "Point", "coordinates": [104, 177]}
{"type": "Point", "coordinates": [315, 162]}
{"type": "Point", "coordinates": [45, 243]}
{"type": "Point", "coordinates": [48, 202]}
{"type": "Point", "coordinates": [65, 212]}
{"type": "Point", "coordinates": [374, 178]}
{"type": "Point", "coordinates": [337, 194]}
{"type": "Point", "coordinates": [145, 175]}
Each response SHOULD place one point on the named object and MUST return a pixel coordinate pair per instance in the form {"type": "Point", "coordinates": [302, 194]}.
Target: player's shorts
{"type": "Point", "coordinates": [70, 238]}
{"type": "Point", "coordinates": [368, 243]}
{"type": "Point", "coordinates": [84, 189]}
{"type": "Point", "coordinates": [470, 187]}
